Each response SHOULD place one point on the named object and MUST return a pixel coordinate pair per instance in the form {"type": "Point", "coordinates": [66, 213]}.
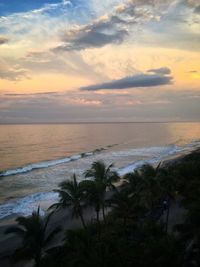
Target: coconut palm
{"type": "Point", "coordinates": [104, 178]}
{"type": "Point", "coordinates": [71, 195]}
{"type": "Point", "coordinates": [122, 205]}
{"type": "Point", "coordinates": [144, 183]}
{"type": "Point", "coordinates": [93, 195]}
{"type": "Point", "coordinates": [34, 235]}
{"type": "Point", "coordinates": [169, 185]}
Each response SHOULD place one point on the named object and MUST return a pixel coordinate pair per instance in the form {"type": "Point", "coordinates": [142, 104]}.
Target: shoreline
{"type": "Point", "coordinates": [62, 217]}
{"type": "Point", "coordinates": [122, 164]}
{"type": "Point", "coordinates": [170, 159]}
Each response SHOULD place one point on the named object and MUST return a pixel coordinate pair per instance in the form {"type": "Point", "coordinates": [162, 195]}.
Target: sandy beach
{"type": "Point", "coordinates": [8, 243]}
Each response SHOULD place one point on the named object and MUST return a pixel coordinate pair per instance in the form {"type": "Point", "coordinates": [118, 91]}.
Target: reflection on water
{"type": "Point", "coordinates": [24, 144]}
{"type": "Point", "coordinates": [125, 144]}
{"type": "Point", "coordinates": [184, 132]}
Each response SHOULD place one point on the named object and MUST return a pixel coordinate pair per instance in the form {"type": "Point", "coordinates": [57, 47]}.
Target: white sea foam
{"type": "Point", "coordinates": [44, 164]}
{"type": "Point", "coordinates": [147, 151]}
{"type": "Point", "coordinates": [26, 205]}
{"type": "Point", "coordinates": [157, 154]}
{"type": "Point", "coordinates": [75, 157]}
{"type": "Point", "coordinates": [150, 155]}
{"type": "Point", "coordinates": [88, 153]}
{"type": "Point", "coordinates": [40, 165]}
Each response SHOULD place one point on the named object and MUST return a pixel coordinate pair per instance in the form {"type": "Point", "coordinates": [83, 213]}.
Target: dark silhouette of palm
{"type": "Point", "coordinates": [34, 235]}
{"type": "Point", "coordinates": [71, 195]}
{"type": "Point", "coordinates": [122, 205]}
{"type": "Point", "coordinates": [93, 195]}
{"type": "Point", "coordinates": [144, 183]}
{"type": "Point", "coordinates": [104, 178]}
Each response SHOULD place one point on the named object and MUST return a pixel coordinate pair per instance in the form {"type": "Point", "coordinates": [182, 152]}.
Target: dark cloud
{"type": "Point", "coordinates": [3, 40]}
{"type": "Point", "coordinates": [163, 70]}
{"type": "Point", "coordinates": [140, 80]}
{"type": "Point", "coordinates": [96, 34]}
{"type": "Point", "coordinates": [105, 30]}
{"type": "Point", "coordinates": [88, 39]}
{"type": "Point", "coordinates": [197, 9]}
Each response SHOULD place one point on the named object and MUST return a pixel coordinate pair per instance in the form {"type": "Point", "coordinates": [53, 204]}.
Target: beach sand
{"type": "Point", "coordinates": [8, 243]}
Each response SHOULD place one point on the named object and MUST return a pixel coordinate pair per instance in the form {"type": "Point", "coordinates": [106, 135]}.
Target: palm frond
{"type": "Point", "coordinates": [158, 167]}
{"type": "Point", "coordinates": [89, 173]}
{"type": "Point", "coordinates": [15, 230]}
{"type": "Point", "coordinates": [52, 235]}
{"type": "Point", "coordinates": [108, 168]}
{"type": "Point", "coordinates": [55, 206]}
{"type": "Point", "coordinates": [47, 221]}
{"type": "Point", "coordinates": [24, 222]}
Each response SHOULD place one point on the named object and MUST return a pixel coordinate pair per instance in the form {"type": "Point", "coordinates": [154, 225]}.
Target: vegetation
{"type": "Point", "coordinates": [104, 178]}
{"type": "Point", "coordinates": [71, 195]}
{"type": "Point", "coordinates": [34, 236]}
{"type": "Point", "coordinates": [139, 229]}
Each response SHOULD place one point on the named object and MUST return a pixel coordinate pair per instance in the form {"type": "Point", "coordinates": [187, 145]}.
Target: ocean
{"type": "Point", "coordinates": [34, 159]}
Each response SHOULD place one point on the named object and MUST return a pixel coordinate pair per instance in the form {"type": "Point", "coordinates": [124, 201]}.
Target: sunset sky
{"type": "Point", "coordinates": [91, 60]}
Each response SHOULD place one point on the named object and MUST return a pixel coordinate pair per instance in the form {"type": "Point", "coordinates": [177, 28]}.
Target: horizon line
{"type": "Point", "coordinates": [93, 122]}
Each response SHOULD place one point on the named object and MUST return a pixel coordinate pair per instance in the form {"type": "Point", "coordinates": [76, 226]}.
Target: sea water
{"type": "Point", "coordinates": [34, 159]}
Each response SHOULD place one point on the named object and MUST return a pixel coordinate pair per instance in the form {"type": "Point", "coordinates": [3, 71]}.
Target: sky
{"type": "Point", "coordinates": [99, 61]}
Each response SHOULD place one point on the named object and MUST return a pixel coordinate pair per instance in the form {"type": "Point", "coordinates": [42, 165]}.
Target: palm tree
{"type": "Point", "coordinates": [145, 184]}
{"type": "Point", "coordinates": [169, 187]}
{"type": "Point", "coordinates": [122, 205]}
{"type": "Point", "coordinates": [93, 195]}
{"type": "Point", "coordinates": [71, 195]}
{"type": "Point", "coordinates": [104, 178]}
{"type": "Point", "coordinates": [35, 237]}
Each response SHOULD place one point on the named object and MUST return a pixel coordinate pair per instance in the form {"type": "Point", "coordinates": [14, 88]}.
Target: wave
{"type": "Point", "coordinates": [151, 155]}
{"type": "Point", "coordinates": [157, 154]}
{"type": "Point", "coordinates": [146, 151]}
{"type": "Point", "coordinates": [26, 205]}
{"type": "Point", "coordinates": [34, 166]}
{"type": "Point", "coordinates": [49, 163]}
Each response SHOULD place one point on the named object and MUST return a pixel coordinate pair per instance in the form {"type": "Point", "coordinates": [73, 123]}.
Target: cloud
{"type": "Point", "coordinates": [163, 70]}
{"type": "Point", "coordinates": [136, 105]}
{"type": "Point", "coordinates": [37, 7]}
{"type": "Point", "coordinates": [197, 9]}
{"type": "Point", "coordinates": [112, 28]}
{"type": "Point", "coordinates": [48, 7]}
{"type": "Point", "coordinates": [88, 39]}
{"type": "Point", "coordinates": [30, 94]}
{"type": "Point", "coordinates": [12, 73]}
{"type": "Point", "coordinates": [140, 80]}
{"type": "Point", "coordinates": [100, 32]}
{"type": "Point", "coordinates": [193, 4]}
{"type": "Point", "coordinates": [3, 40]}
{"type": "Point", "coordinates": [176, 22]}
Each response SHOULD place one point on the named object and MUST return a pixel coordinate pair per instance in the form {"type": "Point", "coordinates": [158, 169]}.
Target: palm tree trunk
{"type": "Point", "coordinates": [82, 220]}
{"type": "Point", "coordinates": [98, 225]}
{"type": "Point", "coordinates": [124, 222]}
{"type": "Point", "coordinates": [167, 220]}
{"type": "Point", "coordinates": [103, 212]}
{"type": "Point", "coordinates": [97, 213]}
{"type": "Point", "coordinates": [38, 259]}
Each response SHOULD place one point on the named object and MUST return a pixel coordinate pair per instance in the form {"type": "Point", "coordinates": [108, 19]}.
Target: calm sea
{"type": "Point", "coordinates": [35, 158]}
